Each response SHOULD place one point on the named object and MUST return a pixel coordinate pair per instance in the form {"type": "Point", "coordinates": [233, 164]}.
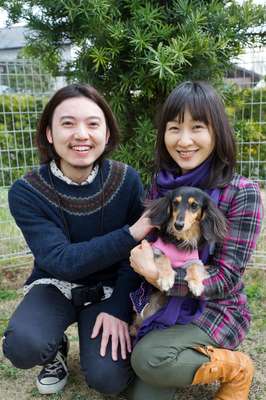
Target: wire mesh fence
{"type": "Point", "coordinates": [24, 76]}
{"type": "Point", "coordinates": [24, 90]}
{"type": "Point", "coordinates": [249, 119]}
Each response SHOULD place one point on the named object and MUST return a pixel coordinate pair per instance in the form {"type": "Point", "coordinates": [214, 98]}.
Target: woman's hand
{"type": "Point", "coordinates": [142, 261]}
{"type": "Point", "coordinates": [114, 329]}
{"type": "Point", "coordinates": [141, 228]}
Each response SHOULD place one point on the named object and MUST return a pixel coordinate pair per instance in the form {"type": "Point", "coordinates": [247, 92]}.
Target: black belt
{"type": "Point", "coordinates": [83, 295]}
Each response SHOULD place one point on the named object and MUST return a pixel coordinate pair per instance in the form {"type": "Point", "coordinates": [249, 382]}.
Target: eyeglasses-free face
{"type": "Point", "coordinates": [79, 135]}
{"type": "Point", "coordinates": [188, 142]}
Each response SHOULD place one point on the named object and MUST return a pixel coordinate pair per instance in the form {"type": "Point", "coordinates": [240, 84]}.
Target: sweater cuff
{"type": "Point", "coordinates": [126, 242]}
{"type": "Point", "coordinates": [129, 236]}
{"type": "Point", "coordinates": [120, 309]}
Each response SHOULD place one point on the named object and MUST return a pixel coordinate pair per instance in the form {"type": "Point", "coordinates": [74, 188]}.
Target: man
{"type": "Point", "coordinates": [79, 215]}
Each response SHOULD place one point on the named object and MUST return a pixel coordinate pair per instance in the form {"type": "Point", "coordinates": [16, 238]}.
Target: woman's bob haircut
{"type": "Point", "coordinates": [204, 104]}
{"type": "Point", "coordinates": [46, 150]}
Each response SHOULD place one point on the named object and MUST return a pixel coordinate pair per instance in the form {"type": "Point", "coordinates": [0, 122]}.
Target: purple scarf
{"type": "Point", "coordinates": [166, 180]}
{"type": "Point", "coordinates": [181, 310]}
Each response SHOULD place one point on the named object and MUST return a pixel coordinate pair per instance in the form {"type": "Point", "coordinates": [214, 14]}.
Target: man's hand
{"type": "Point", "coordinates": [141, 228]}
{"type": "Point", "coordinates": [117, 330]}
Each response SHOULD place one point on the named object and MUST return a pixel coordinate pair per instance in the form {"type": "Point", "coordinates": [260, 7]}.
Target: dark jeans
{"type": "Point", "coordinates": [36, 329]}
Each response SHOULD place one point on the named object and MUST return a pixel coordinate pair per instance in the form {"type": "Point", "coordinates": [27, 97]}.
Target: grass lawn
{"type": "Point", "coordinates": [19, 384]}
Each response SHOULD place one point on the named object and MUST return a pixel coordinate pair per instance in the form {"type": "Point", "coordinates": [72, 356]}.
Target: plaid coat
{"type": "Point", "coordinates": [226, 318]}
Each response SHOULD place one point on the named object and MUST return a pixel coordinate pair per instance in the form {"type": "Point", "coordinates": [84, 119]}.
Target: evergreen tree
{"type": "Point", "coordinates": [136, 51]}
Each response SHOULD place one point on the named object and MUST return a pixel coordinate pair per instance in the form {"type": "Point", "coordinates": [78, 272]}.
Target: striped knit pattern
{"type": "Point", "coordinates": [86, 205]}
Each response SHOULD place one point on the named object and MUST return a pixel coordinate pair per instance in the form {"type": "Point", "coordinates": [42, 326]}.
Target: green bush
{"type": "Point", "coordinates": [136, 51]}
{"type": "Point", "coordinates": [247, 111]}
{"type": "Point", "coordinates": [138, 151]}
{"type": "Point", "coordinates": [19, 115]}
{"type": "Point", "coordinates": [18, 119]}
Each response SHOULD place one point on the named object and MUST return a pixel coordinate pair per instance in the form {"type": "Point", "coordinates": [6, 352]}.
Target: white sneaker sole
{"type": "Point", "coordinates": [53, 388]}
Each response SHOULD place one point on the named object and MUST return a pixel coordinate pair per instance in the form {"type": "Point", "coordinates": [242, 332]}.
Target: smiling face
{"type": "Point", "coordinates": [79, 135]}
{"type": "Point", "coordinates": [188, 142]}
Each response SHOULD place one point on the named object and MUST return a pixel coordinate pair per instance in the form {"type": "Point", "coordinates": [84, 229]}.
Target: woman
{"type": "Point", "coordinates": [195, 147]}
{"type": "Point", "coordinates": [79, 215]}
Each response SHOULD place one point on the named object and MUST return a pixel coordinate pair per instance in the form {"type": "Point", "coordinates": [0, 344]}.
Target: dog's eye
{"type": "Point", "coordinates": [194, 206]}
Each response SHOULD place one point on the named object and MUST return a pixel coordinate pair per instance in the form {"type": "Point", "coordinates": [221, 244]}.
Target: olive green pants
{"type": "Point", "coordinates": [165, 360]}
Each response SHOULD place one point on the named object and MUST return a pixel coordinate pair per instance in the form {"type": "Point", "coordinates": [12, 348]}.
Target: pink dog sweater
{"type": "Point", "coordinates": [177, 257]}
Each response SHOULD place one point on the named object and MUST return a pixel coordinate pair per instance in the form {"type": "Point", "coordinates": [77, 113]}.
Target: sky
{"type": "Point", "coordinates": [2, 18]}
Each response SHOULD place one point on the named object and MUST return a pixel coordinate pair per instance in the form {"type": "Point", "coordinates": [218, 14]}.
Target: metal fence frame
{"type": "Point", "coordinates": [24, 78]}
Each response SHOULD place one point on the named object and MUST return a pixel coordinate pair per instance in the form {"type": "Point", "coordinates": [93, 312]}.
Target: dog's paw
{"type": "Point", "coordinates": [195, 275]}
{"type": "Point", "coordinates": [166, 282]}
{"type": "Point", "coordinates": [196, 287]}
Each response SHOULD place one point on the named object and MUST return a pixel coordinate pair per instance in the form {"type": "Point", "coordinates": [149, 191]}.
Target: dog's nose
{"type": "Point", "coordinates": [179, 225]}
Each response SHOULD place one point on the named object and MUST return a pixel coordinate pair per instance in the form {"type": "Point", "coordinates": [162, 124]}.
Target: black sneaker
{"type": "Point", "coordinates": [53, 376]}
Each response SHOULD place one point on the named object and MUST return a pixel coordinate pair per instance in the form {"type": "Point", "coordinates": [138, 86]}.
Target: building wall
{"type": "Point", "coordinates": [9, 54]}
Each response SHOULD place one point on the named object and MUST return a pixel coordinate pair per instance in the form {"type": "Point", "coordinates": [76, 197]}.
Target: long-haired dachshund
{"type": "Point", "coordinates": [186, 218]}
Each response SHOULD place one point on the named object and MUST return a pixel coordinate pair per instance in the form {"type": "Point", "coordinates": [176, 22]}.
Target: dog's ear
{"type": "Point", "coordinates": [159, 210]}
{"type": "Point", "coordinates": [213, 223]}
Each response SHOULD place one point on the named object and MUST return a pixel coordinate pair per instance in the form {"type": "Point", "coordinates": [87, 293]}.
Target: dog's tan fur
{"type": "Point", "coordinates": [190, 234]}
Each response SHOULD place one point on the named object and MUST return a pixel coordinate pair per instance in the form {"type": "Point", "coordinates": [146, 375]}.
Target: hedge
{"type": "Point", "coordinates": [19, 115]}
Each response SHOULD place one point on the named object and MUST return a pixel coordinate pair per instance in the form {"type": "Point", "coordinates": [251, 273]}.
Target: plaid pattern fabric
{"type": "Point", "coordinates": [226, 318]}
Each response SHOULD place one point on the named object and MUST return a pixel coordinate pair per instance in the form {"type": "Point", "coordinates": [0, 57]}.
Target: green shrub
{"type": "Point", "coordinates": [19, 115]}
{"type": "Point", "coordinates": [247, 111]}
{"type": "Point", "coordinates": [18, 119]}
{"type": "Point", "coordinates": [138, 151]}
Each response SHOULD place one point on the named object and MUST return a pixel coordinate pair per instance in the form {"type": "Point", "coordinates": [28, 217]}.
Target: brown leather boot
{"type": "Point", "coordinates": [233, 369]}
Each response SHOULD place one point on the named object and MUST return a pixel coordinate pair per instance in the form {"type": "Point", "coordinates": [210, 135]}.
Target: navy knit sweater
{"type": "Point", "coordinates": [80, 234]}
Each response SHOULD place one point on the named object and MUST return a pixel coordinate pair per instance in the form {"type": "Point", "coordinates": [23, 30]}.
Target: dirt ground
{"type": "Point", "coordinates": [19, 384]}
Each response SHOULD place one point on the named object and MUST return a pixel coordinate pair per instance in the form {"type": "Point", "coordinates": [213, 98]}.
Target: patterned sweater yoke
{"type": "Point", "coordinates": [97, 217]}
{"type": "Point", "coordinates": [81, 205]}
